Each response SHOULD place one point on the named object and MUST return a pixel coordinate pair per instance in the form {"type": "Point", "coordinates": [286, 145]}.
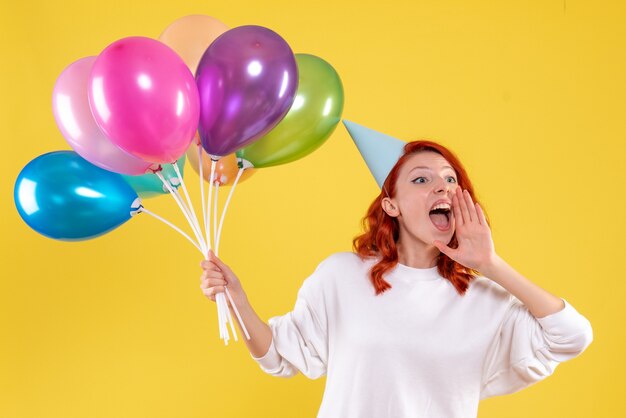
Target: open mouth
{"type": "Point", "coordinates": [440, 217]}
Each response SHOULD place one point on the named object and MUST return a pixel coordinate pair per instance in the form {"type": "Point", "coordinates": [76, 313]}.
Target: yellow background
{"type": "Point", "coordinates": [530, 95]}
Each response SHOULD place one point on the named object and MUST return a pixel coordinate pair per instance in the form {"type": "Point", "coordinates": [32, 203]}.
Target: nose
{"type": "Point", "coordinates": [443, 187]}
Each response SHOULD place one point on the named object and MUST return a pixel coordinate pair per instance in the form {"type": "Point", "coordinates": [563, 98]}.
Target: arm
{"type": "Point", "coordinates": [526, 349]}
{"type": "Point", "coordinates": [539, 330]}
{"type": "Point", "coordinates": [293, 342]}
{"type": "Point", "coordinates": [539, 302]}
{"type": "Point", "coordinates": [476, 251]}
{"type": "Point", "coordinates": [260, 332]}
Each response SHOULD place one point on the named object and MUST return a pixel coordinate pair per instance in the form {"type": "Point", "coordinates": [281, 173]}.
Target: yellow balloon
{"type": "Point", "coordinates": [226, 168]}
{"type": "Point", "coordinates": [191, 35]}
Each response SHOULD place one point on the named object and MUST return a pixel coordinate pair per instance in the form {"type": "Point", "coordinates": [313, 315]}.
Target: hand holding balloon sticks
{"type": "Point", "coordinates": [131, 115]}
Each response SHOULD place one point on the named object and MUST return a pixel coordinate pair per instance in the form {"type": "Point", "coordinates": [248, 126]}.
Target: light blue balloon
{"type": "Point", "coordinates": [149, 185]}
{"type": "Point", "coordinates": [63, 196]}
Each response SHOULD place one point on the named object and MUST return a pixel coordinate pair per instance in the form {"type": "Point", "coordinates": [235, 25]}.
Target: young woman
{"type": "Point", "coordinates": [424, 319]}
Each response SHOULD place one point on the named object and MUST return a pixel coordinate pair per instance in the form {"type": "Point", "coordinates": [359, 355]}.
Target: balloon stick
{"type": "Point", "coordinates": [232, 302]}
{"type": "Point", "coordinates": [189, 214]}
{"type": "Point", "coordinates": [182, 208]}
{"type": "Point", "coordinates": [219, 231]}
{"type": "Point", "coordinates": [217, 188]}
{"type": "Point", "coordinates": [202, 192]}
{"type": "Point", "coordinates": [232, 326]}
{"type": "Point", "coordinates": [208, 202]}
{"type": "Point", "coordinates": [144, 210]}
{"type": "Point", "coordinates": [182, 182]}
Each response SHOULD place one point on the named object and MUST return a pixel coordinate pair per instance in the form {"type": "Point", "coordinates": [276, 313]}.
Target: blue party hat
{"type": "Point", "coordinates": [380, 151]}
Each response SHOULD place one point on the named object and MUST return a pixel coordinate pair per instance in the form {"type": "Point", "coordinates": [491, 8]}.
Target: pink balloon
{"type": "Point", "coordinates": [70, 106]}
{"type": "Point", "coordinates": [145, 99]}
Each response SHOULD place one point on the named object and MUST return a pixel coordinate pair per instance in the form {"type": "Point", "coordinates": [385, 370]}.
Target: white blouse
{"type": "Point", "coordinates": [418, 350]}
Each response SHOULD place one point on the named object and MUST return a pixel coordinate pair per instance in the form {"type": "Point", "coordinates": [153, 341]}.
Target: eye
{"type": "Point", "coordinates": [416, 180]}
{"type": "Point", "coordinates": [451, 178]}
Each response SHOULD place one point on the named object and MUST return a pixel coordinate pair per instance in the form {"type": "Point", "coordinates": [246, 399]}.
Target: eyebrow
{"type": "Point", "coordinates": [428, 168]}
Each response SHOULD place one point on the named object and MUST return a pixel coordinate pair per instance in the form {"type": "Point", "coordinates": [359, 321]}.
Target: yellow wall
{"type": "Point", "coordinates": [529, 94]}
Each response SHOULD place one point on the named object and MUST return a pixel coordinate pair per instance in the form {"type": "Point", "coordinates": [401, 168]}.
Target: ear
{"type": "Point", "coordinates": [390, 207]}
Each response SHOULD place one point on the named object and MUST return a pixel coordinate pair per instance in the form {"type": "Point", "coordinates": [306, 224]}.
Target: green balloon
{"type": "Point", "coordinates": [149, 185]}
{"type": "Point", "coordinates": [314, 114]}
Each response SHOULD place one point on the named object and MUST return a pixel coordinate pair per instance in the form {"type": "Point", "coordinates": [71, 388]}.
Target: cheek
{"type": "Point", "coordinates": [416, 211]}
{"type": "Point", "coordinates": [419, 219]}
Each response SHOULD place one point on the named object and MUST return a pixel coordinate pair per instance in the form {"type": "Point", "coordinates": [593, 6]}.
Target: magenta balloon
{"type": "Point", "coordinates": [145, 99]}
{"type": "Point", "coordinates": [247, 80]}
{"type": "Point", "coordinates": [70, 106]}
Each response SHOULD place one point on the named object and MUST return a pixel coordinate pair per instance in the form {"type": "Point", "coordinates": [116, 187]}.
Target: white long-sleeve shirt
{"type": "Point", "coordinates": [418, 350]}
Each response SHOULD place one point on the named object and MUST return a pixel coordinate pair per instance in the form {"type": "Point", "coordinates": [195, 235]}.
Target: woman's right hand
{"type": "Point", "coordinates": [216, 277]}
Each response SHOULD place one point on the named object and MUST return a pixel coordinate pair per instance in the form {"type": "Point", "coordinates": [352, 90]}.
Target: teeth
{"type": "Point", "coordinates": [441, 206]}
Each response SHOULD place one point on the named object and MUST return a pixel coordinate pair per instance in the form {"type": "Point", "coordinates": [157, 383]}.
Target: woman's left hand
{"type": "Point", "coordinates": [475, 246]}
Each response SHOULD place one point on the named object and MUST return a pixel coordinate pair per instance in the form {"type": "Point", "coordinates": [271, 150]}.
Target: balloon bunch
{"type": "Point", "coordinates": [229, 101]}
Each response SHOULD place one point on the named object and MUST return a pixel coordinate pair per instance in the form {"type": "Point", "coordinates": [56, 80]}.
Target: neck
{"type": "Point", "coordinates": [417, 255]}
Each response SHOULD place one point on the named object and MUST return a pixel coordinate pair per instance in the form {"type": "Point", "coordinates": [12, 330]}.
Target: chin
{"type": "Point", "coordinates": [448, 233]}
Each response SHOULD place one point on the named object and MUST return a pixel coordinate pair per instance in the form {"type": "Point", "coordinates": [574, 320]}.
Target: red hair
{"type": "Point", "coordinates": [382, 231]}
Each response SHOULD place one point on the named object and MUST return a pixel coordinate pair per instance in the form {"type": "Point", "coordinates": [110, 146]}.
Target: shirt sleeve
{"type": "Point", "coordinates": [299, 338]}
{"type": "Point", "coordinates": [527, 349]}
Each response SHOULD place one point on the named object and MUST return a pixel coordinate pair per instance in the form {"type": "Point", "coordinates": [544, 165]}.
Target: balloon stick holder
{"type": "Point", "coordinates": [202, 241]}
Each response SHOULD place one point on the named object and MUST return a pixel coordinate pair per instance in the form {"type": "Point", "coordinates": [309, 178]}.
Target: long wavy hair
{"type": "Point", "coordinates": [381, 231]}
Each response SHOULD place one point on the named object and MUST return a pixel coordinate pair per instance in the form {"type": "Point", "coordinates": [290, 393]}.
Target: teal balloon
{"type": "Point", "coordinates": [149, 185]}
{"type": "Point", "coordinates": [65, 197]}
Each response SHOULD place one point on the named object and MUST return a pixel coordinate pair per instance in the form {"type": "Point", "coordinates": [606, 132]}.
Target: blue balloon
{"type": "Point", "coordinates": [63, 196]}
